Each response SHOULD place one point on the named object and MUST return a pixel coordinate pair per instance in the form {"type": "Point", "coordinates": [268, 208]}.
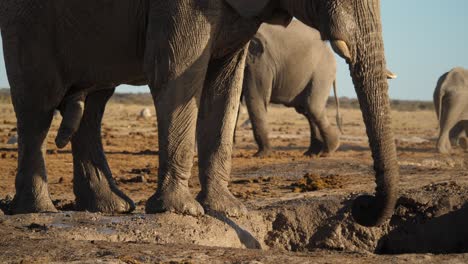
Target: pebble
{"type": "Point", "coordinates": [13, 140]}
{"type": "Point", "coordinates": [145, 113]}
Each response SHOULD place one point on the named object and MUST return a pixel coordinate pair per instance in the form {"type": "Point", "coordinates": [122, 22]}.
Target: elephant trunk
{"type": "Point", "coordinates": [369, 75]}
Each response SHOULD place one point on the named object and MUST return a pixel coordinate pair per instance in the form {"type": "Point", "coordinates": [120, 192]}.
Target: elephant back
{"type": "Point", "coordinates": [456, 80]}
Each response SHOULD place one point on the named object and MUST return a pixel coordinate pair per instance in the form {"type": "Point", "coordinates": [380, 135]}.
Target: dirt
{"type": "Point", "coordinates": [299, 207]}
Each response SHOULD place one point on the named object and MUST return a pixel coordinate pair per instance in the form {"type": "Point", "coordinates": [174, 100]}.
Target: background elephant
{"type": "Point", "coordinates": [192, 55]}
{"type": "Point", "coordinates": [292, 66]}
{"type": "Point", "coordinates": [451, 104]}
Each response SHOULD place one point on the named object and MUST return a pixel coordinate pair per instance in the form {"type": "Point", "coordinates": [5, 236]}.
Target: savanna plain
{"type": "Point", "coordinates": [299, 207]}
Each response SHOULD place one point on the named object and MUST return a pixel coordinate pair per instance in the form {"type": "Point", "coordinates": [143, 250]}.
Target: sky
{"type": "Point", "coordinates": [423, 40]}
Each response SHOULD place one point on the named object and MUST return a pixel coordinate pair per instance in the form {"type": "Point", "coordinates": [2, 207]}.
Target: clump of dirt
{"type": "Point", "coordinates": [431, 220]}
{"type": "Point", "coordinates": [250, 187]}
{"type": "Point", "coordinates": [313, 182]}
{"type": "Point", "coordinates": [64, 204]}
{"type": "Point", "coordinates": [427, 220]}
{"type": "Point", "coordinates": [253, 180]}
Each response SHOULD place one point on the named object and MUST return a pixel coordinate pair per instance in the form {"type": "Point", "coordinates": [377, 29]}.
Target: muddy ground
{"type": "Point", "coordinates": [298, 206]}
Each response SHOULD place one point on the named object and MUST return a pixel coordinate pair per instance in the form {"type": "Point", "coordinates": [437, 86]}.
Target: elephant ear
{"type": "Point", "coordinates": [248, 8]}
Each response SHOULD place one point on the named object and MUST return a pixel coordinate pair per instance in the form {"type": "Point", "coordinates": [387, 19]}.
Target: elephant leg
{"type": "Point", "coordinates": [316, 109]}
{"type": "Point", "coordinates": [451, 114]}
{"type": "Point", "coordinates": [464, 138]}
{"type": "Point", "coordinates": [455, 133]}
{"type": "Point", "coordinates": [177, 107]}
{"type": "Point", "coordinates": [219, 106]}
{"type": "Point", "coordinates": [34, 119]}
{"type": "Point", "coordinates": [316, 143]}
{"type": "Point", "coordinates": [94, 187]}
{"type": "Point", "coordinates": [257, 107]}
{"type": "Point", "coordinates": [258, 116]}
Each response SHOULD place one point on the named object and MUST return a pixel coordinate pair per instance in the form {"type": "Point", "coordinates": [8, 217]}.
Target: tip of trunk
{"type": "Point", "coordinates": [367, 210]}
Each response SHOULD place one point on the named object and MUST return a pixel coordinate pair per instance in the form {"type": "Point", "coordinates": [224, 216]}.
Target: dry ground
{"type": "Point", "coordinates": [299, 206]}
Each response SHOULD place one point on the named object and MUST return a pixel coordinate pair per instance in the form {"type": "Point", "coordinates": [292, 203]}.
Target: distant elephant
{"type": "Point", "coordinates": [295, 67]}
{"type": "Point", "coordinates": [451, 104]}
{"type": "Point", "coordinates": [192, 54]}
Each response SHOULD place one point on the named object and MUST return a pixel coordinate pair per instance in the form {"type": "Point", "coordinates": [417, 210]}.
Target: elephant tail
{"type": "Point", "coordinates": [439, 111]}
{"type": "Point", "coordinates": [339, 118]}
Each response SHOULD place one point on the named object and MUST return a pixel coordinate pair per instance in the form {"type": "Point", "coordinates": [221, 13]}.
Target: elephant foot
{"type": "Point", "coordinates": [463, 141]}
{"type": "Point", "coordinates": [444, 148]}
{"type": "Point", "coordinates": [95, 191]}
{"type": "Point", "coordinates": [220, 200]}
{"type": "Point", "coordinates": [332, 141]}
{"type": "Point", "coordinates": [264, 153]}
{"type": "Point", "coordinates": [110, 201]}
{"type": "Point", "coordinates": [32, 201]}
{"type": "Point", "coordinates": [315, 149]}
{"type": "Point", "coordinates": [175, 199]}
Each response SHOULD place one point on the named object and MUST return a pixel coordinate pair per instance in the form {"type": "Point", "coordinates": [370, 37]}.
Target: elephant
{"type": "Point", "coordinates": [192, 55]}
{"type": "Point", "coordinates": [292, 66]}
{"type": "Point", "coordinates": [451, 104]}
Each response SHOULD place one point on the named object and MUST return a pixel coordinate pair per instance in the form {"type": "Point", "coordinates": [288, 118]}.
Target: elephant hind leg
{"type": "Point", "coordinates": [451, 113]}
{"type": "Point", "coordinates": [455, 133]}
{"type": "Point", "coordinates": [316, 101]}
{"type": "Point", "coordinates": [316, 144]}
{"type": "Point", "coordinates": [257, 110]}
{"type": "Point", "coordinates": [95, 189]}
{"type": "Point", "coordinates": [464, 138]}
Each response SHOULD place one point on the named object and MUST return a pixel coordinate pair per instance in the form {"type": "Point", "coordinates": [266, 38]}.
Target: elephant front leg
{"type": "Point", "coordinates": [177, 107]}
{"type": "Point", "coordinates": [94, 187]}
{"type": "Point", "coordinates": [216, 121]}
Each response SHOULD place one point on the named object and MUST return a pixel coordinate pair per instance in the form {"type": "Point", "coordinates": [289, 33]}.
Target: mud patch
{"type": "Point", "coordinates": [314, 182]}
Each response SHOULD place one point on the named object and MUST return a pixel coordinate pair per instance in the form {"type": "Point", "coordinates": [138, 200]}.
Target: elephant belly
{"type": "Point", "coordinates": [109, 74]}
{"type": "Point", "coordinates": [108, 43]}
{"type": "Point", "coordinates": [286, 91]}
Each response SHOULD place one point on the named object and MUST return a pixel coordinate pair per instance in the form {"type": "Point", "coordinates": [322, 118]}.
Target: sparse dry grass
{"type": "Point", "coordinates": [346, 103]}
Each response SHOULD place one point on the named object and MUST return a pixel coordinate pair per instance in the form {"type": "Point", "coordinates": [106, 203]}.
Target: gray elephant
{"type": "Point", "coordinates": [292, 66]}
{"type": "Point", "coordinates": [295, 67]}
{"type": "Point", "coordinates": [192, 55]}
{"type": "Point", "coordinates": [451, 104]}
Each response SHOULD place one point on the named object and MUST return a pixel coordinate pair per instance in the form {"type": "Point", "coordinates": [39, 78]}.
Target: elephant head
{"type": "Point", "coordinates": [355, 33]}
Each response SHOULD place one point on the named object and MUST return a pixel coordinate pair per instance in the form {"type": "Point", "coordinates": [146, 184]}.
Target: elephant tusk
{"type": "Point", "coordinates": [391, 75]}
{"type": "Point", "coordinates": [342, 49]}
